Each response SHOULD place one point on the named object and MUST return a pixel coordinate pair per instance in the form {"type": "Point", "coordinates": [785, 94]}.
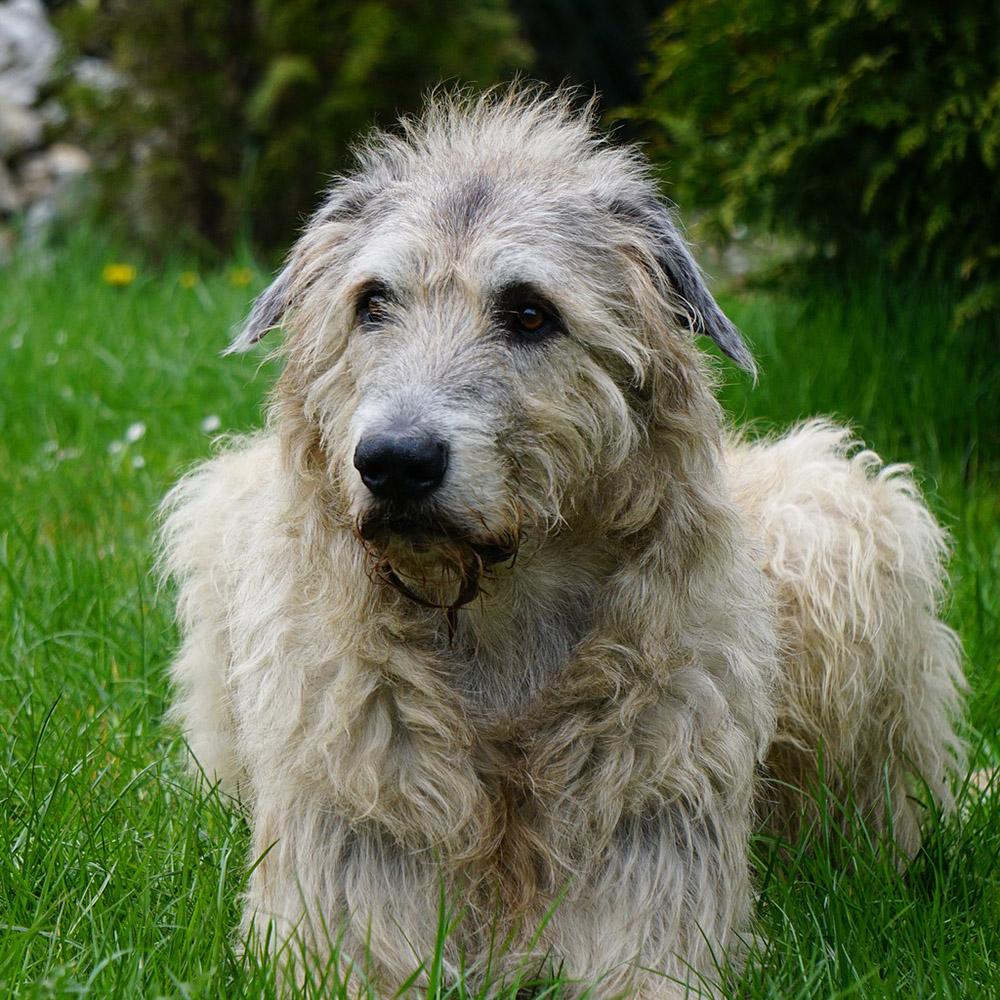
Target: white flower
{"type": "Point", "coordinates": [211, 423]}
{"type": "Point", "coordinates": [138, 462]}
{"type": "Point", "coordinates": [135, 431]}
{"type": "Point", "coordinates": [17, 341]}
{"type": "Point", "coordinates": [51, 358]}
{"type": "Point", "coordinates": [116, 447]}
{"type": "Point", "coordinates": [50, 446]}
{"type": "Point", "coordinates": [61, 337]}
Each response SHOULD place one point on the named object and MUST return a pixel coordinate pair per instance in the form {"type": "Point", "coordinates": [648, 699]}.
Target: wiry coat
{"type": "Point", "coordinates": [583, 739]}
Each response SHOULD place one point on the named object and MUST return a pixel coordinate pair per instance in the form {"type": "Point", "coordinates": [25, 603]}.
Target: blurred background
{"type": "Point", "coordinates": [203, 123]}
{"type": "Point", "coordinates": [840, 128]}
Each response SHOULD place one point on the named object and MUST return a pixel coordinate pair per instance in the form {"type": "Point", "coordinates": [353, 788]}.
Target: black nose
{"type": "Point", "coordinates": [401, 466]}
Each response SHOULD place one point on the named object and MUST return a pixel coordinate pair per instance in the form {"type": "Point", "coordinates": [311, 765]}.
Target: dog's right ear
{"type": "Point", "coordinates": [344, 200]}
{"type": "Point", "coordinates": [268, 309]}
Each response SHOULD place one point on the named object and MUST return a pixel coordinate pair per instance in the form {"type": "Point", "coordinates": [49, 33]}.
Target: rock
{"type": "Point", "coordinates": [37, 184]}
{"type": "Point", "coordinates": [20, 129]}
{"type": "Point", "coordinates": [98, 75]}
{"type": "Point", "coordinates": [46, 174]}
{"type": "Point", "coordinates": [67, 161]}
{"type": "Point", "coordinates": [28, 50]}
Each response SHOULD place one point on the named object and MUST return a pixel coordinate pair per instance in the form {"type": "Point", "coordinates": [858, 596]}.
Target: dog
{"type": "Point", "coordinates": [497, 614]}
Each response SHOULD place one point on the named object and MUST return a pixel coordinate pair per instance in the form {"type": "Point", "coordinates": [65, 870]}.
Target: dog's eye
{"type": "Point", "coordinates": [372, 306]}
{"type": "Point", "coordinates": [528, 320]}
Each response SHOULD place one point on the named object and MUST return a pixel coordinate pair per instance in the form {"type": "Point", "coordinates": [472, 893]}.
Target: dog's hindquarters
{"type": "Point", "coordinates": [870, 685]}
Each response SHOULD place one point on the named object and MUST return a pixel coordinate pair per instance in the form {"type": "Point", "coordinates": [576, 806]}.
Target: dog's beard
{"type": "Point", "coordinates": [435, 562]}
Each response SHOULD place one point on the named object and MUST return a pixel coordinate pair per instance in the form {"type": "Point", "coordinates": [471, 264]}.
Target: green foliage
{"type": "Point", "coordinates": [232, 114]}
{"type": "Point", "coordinates": [839, 121]}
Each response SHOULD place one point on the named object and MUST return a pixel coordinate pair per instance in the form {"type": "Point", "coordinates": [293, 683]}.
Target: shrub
{"type": "Point", "coordinates": [841, 121]}
{"type": "Point", "coordinates": [230, 115]}
{"type": "Point", "coordinates": [592, 43]}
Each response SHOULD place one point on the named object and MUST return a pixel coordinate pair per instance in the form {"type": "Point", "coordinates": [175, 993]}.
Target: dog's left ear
{"type": "Point", "coordinates": [685, 282]}
{"type": "Point", "coordinates": [268, 309]}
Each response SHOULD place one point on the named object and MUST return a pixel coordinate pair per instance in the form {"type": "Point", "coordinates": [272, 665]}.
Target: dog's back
{"type": "Point", "coordinates": [871, 678]}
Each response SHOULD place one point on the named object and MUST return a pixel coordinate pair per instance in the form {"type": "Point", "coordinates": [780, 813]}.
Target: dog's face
{"type": "Point", "coordinates": [480, 319]}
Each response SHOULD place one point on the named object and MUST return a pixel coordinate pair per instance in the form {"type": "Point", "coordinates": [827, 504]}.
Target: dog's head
{"type": "Point", "coordinates": [489, 321]}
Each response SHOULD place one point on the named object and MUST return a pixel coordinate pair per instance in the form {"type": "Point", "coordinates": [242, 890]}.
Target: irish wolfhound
{"type": "Point", "coordinates": [495, 603]}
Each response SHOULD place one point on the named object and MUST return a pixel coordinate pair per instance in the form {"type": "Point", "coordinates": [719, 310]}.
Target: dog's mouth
{"type": "Point", "coordinates": [384, 525]}
{"type": "Point", "coordinates": [431, 560]}
{"type": "Point", "coordinates": [387, 528]}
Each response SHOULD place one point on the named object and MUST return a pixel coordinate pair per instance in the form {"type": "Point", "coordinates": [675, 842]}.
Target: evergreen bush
{"type": "Point", "coordinates": [846, 122]}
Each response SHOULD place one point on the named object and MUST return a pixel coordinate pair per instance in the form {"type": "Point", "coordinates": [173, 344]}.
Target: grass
{"type": "Point", "coordinates": [117, 879]}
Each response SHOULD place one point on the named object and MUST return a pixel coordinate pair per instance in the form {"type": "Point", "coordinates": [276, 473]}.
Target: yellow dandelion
{"type": "Point", "coordinates": [118, 275]}
{"type": "Point", "coordinates": [240, 276]}
{"type": "Point", "coordinates": [188, 279]}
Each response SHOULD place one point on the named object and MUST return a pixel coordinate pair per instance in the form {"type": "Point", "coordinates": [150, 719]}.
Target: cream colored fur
{"type": "Point", "coordinates": [684, 608]}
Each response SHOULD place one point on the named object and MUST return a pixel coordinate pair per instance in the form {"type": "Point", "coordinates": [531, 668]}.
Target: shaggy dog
{"type": "Point", "coordinates": [495, 610]}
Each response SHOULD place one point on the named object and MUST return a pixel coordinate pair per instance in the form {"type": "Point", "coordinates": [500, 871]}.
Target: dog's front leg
{"type": "Point", "coordinates": [331, 899]}
{"type": "Point", "coordinates": [665, 907]}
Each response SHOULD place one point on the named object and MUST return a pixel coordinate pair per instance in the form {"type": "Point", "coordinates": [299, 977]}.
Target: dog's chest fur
{"type": "Point", "coordinates": [508, 650]}
{"type": "Point", "coordinates": [511, 642]}
{"type": "Point", "coordinates": [453, 726]}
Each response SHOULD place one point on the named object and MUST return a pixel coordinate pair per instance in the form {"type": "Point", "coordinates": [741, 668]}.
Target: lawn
{"type": "Point", "coordinates": [118, 879]}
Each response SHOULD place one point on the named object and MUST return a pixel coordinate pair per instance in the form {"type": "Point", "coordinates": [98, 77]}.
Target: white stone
{"type": "Point", "coordinates": [98, 74]}
{"type": "Point", "coordinates": [45, 174]}
{"type": "Point", "coordinates": [28, 50]}
{"type": "Point", "coordinates": [20, 128]}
